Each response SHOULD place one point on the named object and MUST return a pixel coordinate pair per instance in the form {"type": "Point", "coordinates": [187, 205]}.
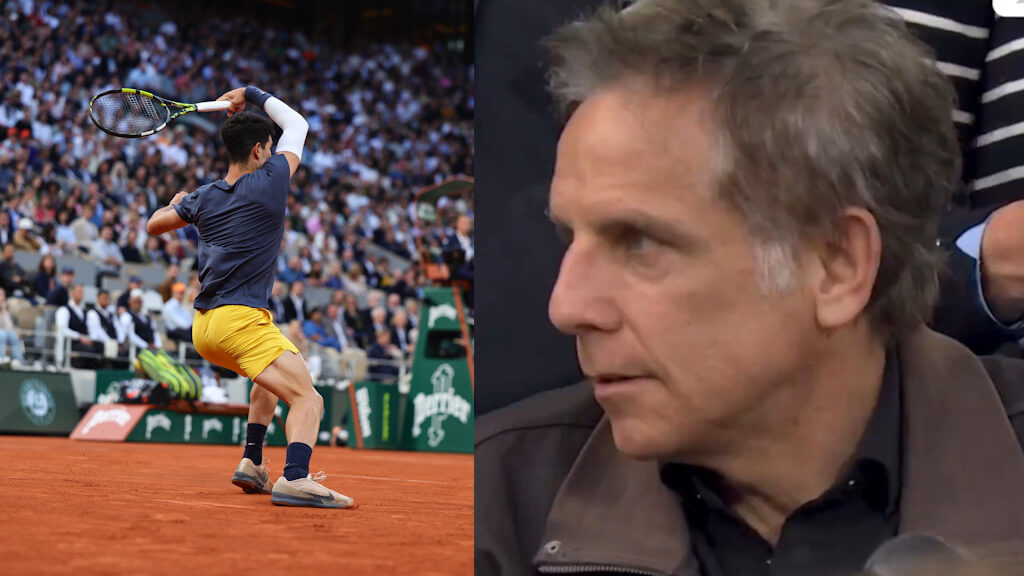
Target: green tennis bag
{"type": "Point", "coordinates": [182, 381]}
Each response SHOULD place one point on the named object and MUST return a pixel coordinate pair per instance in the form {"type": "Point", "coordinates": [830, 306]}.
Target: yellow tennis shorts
{"type": "Point", "coordinates": [239, 338]}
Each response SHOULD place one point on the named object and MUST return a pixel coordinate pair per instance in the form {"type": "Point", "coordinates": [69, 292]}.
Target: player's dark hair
{"type": "Point", "coordinates": [241, 131]}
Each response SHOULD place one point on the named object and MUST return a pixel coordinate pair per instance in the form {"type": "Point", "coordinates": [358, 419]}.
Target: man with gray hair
{"type": "Point", "coordinates": [750, 194]}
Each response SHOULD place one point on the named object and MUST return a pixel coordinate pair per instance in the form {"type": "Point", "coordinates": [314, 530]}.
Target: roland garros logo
{"type": "Point", "coordinates": [37, 402]}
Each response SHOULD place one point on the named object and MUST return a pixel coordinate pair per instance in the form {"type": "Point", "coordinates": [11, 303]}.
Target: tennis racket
{"type": "Point", "coordinates": [131, 113]}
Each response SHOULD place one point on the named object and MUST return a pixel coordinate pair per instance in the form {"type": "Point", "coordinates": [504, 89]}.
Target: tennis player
{"type": "Point", "coordinates": [241, 221]}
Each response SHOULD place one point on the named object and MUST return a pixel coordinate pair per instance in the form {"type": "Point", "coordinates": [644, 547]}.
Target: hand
{"type": "Point", "coordinates": [1002, 262]}
{"type": "Point", "coordinates": [177, 198]}
{"type": "Point", "coordinates": [86, 341]}
{"type": "Point", "coordinates": [237, 99]}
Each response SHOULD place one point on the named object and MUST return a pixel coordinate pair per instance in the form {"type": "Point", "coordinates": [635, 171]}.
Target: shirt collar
{"type": "Point", "coordinates": [223, 185]}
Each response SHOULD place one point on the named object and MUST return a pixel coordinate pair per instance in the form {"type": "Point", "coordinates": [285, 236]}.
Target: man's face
{"type": "Point", "coordinates": [135, 304]}
{"type": "Point", "coordinates": [8, 252]}
{"type": "Point", "coordinates": [659, 282]}
{"type": "Point", "coordinates": [394, 301]}
{"type": "Point", "coordinates": [77, 293]}
{"type": "Point", "coordinates": [298, 288]}
{"type": "Point", "coordinates": [463, 225]}
{"type": "Point", "coordinates": [103, 300]}
{"type": "Point", "coordinates": [66, 278]}
{"type": "Point", "coordinates": [107, 234]}
{"type": "Point", "coordinates": [294, 263]}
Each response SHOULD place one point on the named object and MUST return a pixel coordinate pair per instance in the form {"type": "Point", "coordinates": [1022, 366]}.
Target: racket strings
{"type": "Point", "coordinates": [128, 113]}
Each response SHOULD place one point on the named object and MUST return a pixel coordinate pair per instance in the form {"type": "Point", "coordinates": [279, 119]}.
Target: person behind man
{"type": "Point", "coordinates": [24, 239]}
{"type": "Point", "coordinates": [750, 194]}
{"type": "Point", "coordinates": [177, 319]}
{"type": "Point", "coordinates": [134, 283]}
{"type": "Point", "coordinates": [383, 355]}
{"type": "Point", "coordinates": [313, 329]}
{"type": "Point", "coordinates": [412, 307]}
{"type": "Point", "coordinates": [295, 307]}
{"type": "Point", "coordinates": [138, 326]}
{"type": "Point", "coordinates": [84, 228]}
{"type": "Point", "coordinates": [9, 339]}
{"type": "Point", "coordinates": [400, 330]}
{"type": "Point", "coordinates": [70, 322]}
{"type": "Point", "coordinates": [107, 255]}
{"type": "Point", "coordinates": [240, 220]}
{"type": "Point", "coordinates": [59, 295]}
{"type": "Point", "coordinates": [334, 325]}
{"type": "Point", "coordinates": [105, 327]}
{"type": "Point", "coordinates": [379, 320]}
{"type": "Point", "coordinates": [276, 303]}
{"type": "Point", "coordinates": [13, 278]}
{"type": "Point", "coordinates": [130, 247]}
{"type": "Point", "coordinates": [170, 279]}
{"type": "Point", "coordinates": [6, 227]}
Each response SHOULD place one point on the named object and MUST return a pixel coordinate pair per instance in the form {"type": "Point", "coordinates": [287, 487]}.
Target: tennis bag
{"type": "Point", "coordinates": [182, 381]}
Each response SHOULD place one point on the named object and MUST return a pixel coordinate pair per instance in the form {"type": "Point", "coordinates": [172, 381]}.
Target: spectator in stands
{"type": "Point", "coordinates": [59, 295]}
{"type": "Point", "coordinates": [333, 279]}
{"type": "Point", "coordinates": [383, 355]}
{"type": "Point", "coordinates": [313, 329]}
{"type": "Point", "coordinates": [70, 322]}
{"type": "Point", "coordinates": [85, 229]}
{"type": "Point", "coordinates": [9, 339]}
{"type": "Point", "coordinates": [45, 279]}
{"type": "Point", "coordinates": [379, 320]}
{"type": "Point", "coordinates": [6, 228]}
{"type": "Point", "coordinates": [356, 322]}
{"type": "Point", "coordinates": [134, 283]}
{"type": "Point", "coordinates": [406, 286]}
{"type": "Point", "coordinates": [295, 307]}
{"type": "Point", "coordinates": [170, 279]}
{"type": "Point", "coordinates": [130, 248]}
{"type": "Point", "coordinates": [105, 327]}
{"type": "Point", "coordinates": [177, 319]}
{"type": "Point", "coordinates": [293, 273]}
{"type": "Point", "coordinates": [400, 330]}
{"type": "Point", "coordinates": [13, 278]}
{"type": "Point", "coordinates": [154, 252]}
{"type": "Point", "coordinates": [107, 255]}
{"type": "Point", "coordinates": [24, 239]}
{"type": "Point", "coordinates": [276, 303]}
{"type": "Point", "coordinates": [334, 325]}
{"type": "Point", "coordinates": [412, 307]}
{"type": "Point", "coordinates": [64, 234]}
{"type": "Point", "coordinates": [394, 303]}
{"type": "Point", "coordinates": [355, 281]}
{"type": "Point", "coordinates": [138, 326]}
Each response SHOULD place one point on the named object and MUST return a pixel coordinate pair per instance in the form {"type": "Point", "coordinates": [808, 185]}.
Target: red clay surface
{"type": "Point", "coordinates": [88, 508]}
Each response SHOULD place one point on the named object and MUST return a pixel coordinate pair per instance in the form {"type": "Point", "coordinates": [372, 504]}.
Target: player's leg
{"type": "Point", "coordinates": [250, 475]}
{"type": "Point", "coordinates": [288, 377]}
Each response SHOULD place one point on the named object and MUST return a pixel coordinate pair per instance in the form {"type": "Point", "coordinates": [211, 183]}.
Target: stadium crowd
{"type": "Point", "coordinates": [384, 122]}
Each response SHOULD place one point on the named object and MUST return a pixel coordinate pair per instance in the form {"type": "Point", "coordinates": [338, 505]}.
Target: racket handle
{"type": "Point", "coordinates": [213, 106]}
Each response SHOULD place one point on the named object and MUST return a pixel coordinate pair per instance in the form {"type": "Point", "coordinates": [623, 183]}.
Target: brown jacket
{"type": "Point", "coordinates": [554, 495]}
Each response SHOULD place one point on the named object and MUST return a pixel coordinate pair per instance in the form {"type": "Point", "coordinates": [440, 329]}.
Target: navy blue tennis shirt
{"type": "Point", "coordinates": [240, 230]}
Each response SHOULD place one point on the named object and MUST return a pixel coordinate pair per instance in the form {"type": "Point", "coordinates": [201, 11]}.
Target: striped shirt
{"type": "Point", "coordinates": [983, 55]}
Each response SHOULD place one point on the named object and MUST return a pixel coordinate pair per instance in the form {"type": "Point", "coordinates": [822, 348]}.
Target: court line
{"type": "Point", "coordinates": [410, 480]}
{"type": "Point", "coordinates": [201, 503]}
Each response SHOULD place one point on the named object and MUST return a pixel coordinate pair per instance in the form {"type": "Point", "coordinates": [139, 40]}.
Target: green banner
{"type": "Point", "coordinates": [162, 425]}
{"type": "Point", "coordinates": [439, 416]}
{"type": "Point", "coordinates": [373, 421]}
{"type": "Point", "coordinates": [37, 402]}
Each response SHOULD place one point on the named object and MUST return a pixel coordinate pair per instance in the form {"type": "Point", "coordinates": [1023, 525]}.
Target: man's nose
{"type": "Point", "coordinates": [584, 296]}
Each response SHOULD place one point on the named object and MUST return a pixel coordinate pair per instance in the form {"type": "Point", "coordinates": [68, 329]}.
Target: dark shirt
{"type": "Point", "coordinates": [58, 296]}
{"type": "Point", "coordinates": [832, 535]}
{"type": "Point", "coordinates": [240, 230]}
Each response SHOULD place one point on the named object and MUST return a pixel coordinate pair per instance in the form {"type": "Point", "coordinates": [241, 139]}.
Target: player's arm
{"type": "Point", "coordinates": [166, 219]}
{"type": "Point", "coordinates": [293, 126]}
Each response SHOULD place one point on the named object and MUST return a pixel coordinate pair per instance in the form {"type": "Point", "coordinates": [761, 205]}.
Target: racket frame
{"type": "Point", "coordinates": [182, 109]}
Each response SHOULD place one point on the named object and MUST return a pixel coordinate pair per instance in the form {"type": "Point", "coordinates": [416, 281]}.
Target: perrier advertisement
{"type": "Point", "coordinates": [439, 415]}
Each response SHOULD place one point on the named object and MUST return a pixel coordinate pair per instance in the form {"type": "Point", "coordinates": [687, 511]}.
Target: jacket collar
{"type": "Point", "coordinates": [962, 474]}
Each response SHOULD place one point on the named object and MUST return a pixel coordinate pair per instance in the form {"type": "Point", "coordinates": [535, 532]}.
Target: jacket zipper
{"type": "Point", "coordinates": [594, 568]}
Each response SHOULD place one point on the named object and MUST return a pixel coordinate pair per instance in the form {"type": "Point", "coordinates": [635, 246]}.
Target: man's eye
{"type": "Point", "coordinates": [635, 241]}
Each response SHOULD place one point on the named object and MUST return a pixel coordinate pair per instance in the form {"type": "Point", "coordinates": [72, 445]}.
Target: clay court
{"type": "Point", "coordinates": [88, 508]}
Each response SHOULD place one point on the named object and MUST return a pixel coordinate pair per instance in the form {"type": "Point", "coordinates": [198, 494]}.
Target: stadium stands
{"type": "Point", "coordinates": [384, 121]}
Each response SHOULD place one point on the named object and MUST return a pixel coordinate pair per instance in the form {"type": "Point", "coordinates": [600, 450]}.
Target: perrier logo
{"type": "Point", "coordinates": [444, 402]}
{"type": "Point", "coordinates": [37, 402]}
